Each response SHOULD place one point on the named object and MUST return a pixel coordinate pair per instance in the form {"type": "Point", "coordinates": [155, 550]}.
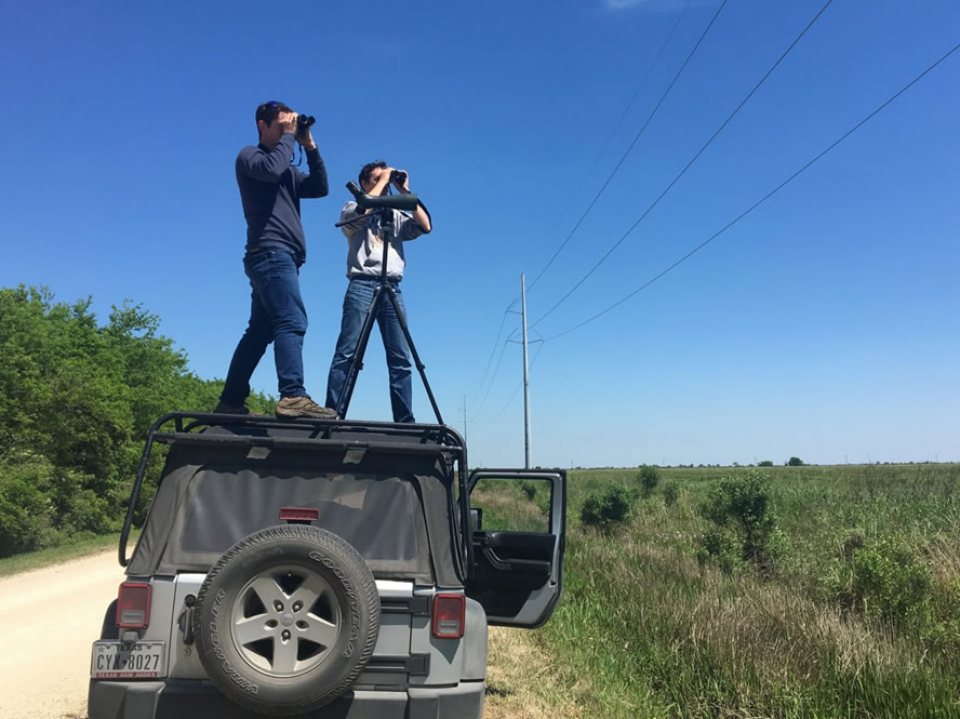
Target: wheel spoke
{"type": "Point", "coordinates": [311, 589]}
{"type": "Point", "coordinates": [269, 592]}
{"type": "Point", "coordinates": [252, 629]}
{"type": "Point", "coordinates": [319, 631]}
{"type": "Point", "coordinates": [285, 656]}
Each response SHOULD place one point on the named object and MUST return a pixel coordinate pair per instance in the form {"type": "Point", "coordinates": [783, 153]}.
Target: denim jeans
{"type": "Point", "coordinates": [356, 304]}
{"type": "Point", "coordinates": [277, 315]}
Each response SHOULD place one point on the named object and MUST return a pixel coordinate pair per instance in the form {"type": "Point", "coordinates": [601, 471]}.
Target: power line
{"type": "Point", "coordinates": [766, 197]}
{"type": "Point", "coordinates": [634, 142]}
{"type": "Point", "coordinates": [493, 352]}
{"type": "Point", "coordinates": [689, 164]}
{"type": "Point", "coordinates": [609, 139]}
{"type": "Point", "coordinates": [516, 389]}
{"type": "Point", "coordinates": [603, 149]}
{"type": "Point", "coordinates": [496, 370]}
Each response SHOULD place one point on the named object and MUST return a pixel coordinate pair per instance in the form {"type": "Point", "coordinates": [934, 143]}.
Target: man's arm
{"type": "Point", "coordinates": [315, 184]}
{"type": "Point", "coordinates": [420, 215]}
{"type": "Point", "coordinates": [349, 224]}
{"type": "Point", "coordinates": [267, 165]}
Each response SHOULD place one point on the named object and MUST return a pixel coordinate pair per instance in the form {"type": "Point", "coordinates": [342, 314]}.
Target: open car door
{"type": "Point", "coordinates": [518, 520]}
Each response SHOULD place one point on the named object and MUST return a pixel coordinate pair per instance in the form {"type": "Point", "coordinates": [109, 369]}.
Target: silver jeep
{"type": "Point", "coordinates": [322, 569]}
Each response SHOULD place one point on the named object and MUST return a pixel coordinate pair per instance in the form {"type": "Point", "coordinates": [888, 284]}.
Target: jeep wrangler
{"type": "Point", "coordinates": [322, 569]}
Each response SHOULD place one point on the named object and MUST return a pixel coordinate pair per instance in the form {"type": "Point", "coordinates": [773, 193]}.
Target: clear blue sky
{"type": "Point", "coordinates": [825, 324]}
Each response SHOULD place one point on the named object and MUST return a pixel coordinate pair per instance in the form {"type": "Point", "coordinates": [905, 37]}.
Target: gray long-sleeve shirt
{"type": "Point", "coordinates": [270, 191]}
{"type": "Point", "coordinates": [365, 241]}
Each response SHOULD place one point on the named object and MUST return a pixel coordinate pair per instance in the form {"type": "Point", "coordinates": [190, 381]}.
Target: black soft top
{"type": "Point", "coordinates": [390, 490]}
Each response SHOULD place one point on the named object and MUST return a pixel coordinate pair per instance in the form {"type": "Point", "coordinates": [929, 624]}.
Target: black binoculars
{"type": "Point", "coordinates": [398, 176]}
{"type": "Point", "coordinates": [305, 121]}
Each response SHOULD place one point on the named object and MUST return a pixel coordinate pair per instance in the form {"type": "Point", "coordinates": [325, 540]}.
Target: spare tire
{"type": "Point", "coordinates": [287, 619]}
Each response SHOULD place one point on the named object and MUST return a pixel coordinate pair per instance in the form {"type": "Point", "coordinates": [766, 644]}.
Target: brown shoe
{"type": "Point", "coordinates": [303, 407]}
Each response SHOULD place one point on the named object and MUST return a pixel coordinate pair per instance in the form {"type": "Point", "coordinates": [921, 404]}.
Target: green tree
{"type": "Point", "coordinates": [76, 400]}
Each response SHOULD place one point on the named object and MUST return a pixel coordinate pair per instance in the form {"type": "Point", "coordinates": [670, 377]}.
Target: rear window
{"type": "Point", "coordinates": [377, 515]}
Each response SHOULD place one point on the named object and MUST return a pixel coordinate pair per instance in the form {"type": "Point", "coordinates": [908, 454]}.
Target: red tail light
{"type": "Point", "coordinates": [133, 605]}
{"type": "Point", "coordinates": [449, 613]}
{"type": "Point", "coordinates": [299, 515]}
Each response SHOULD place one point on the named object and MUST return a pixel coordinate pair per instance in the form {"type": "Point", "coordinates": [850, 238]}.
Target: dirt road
{"type": "Point", "coordinates": [50, 617]}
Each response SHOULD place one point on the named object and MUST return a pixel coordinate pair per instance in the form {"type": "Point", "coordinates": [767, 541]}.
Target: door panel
{"type": "Point", "coordinates": [518, 541]}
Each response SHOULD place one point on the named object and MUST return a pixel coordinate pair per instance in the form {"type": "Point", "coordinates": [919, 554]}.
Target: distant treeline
{"type": "Point", "coordinates": [76, 399]}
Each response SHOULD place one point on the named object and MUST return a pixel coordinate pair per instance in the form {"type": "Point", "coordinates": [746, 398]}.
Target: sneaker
{"type": "Point", "coordinates": [227, 408]}
{"type": "Point", "coordinates": [303, 407]}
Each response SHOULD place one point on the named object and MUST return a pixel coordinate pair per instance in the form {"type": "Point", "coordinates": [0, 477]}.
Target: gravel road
{"type": "Point", "coordinates": [50, 617]}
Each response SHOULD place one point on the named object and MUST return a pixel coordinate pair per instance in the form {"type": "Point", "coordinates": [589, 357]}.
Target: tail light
{"type": "Point", "coordinates": [449, 613]}
{"type": "Point", "coordinates": [299, 515]}
{"type": "Point", "coordinates": [133, 605]}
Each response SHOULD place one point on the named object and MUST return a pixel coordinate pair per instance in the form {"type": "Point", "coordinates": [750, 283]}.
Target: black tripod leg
{"type": "Point", "coordinates": [356, 364]}
{"type": "Point", "coordinates": [421, 368]}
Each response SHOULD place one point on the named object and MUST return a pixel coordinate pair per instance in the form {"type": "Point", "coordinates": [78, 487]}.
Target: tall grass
{"type": "Point", "coordinates": [660, 634]}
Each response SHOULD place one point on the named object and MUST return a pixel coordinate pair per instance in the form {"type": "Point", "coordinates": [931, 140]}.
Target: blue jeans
{"type": "Point", "coordinates": [356, 303]}
{"type": "Point", "coordinates": [277, 315]}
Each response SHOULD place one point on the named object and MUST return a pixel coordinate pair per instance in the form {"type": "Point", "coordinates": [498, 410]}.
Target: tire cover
{"type": "Point", "coordinates": [287, 619]}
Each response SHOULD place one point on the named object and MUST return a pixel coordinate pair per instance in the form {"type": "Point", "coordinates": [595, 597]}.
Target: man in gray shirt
{"type": "Point", "coordinates": [364, 264]}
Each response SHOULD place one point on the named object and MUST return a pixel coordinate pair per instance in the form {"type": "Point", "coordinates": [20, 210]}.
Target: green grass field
{"type": "Point", "coordinates": [851, 607]}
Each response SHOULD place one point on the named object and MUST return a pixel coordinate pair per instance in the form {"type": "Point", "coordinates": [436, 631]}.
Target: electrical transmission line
{"type": "Point", "coordinates": [689, 164]}
{"type": "Point", "coordinates": [623, 115]}
{"type": "Point", "coordinates": [646, 123]}
{"type": "Point", "coordinates": [767, 196]}
{"type": "Point", "coordinates": [609, 139]}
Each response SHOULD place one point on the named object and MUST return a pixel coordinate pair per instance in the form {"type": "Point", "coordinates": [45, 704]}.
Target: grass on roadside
{"type": "Point", "coordinates": [858, 616]}
{"type": "Point", "coordinates": [61, 553]}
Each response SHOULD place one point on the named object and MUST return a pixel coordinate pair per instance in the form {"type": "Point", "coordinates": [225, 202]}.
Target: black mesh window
{"type": "Point", "coordinates": [378, 516]}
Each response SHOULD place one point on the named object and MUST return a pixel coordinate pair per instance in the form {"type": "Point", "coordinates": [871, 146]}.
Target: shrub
{"type": "Point", "coordinates": [649, 479]}
{"type": "Point", "coordinates": [722, 547]}
{"type": "Point", "coordinates": [883, 581]}
{"type": "Point", "coordinates": [608, 508]}
{"type": "Point", "coordinates": [794, 462]}
{"type": "Point", "coordinates": [741, 506]}
{"type": "Point", "coordinates": [671, 493]}
{"type": "Point", "coordinates": [26, 514]}
{"type": "Point", "coordinates": [765, 463]}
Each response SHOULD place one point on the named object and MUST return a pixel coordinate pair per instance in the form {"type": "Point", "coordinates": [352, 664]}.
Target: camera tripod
{"type": "Point", "coordinates": [385, 292]}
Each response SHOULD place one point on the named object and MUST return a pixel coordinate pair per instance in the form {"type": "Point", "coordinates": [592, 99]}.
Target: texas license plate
{"type": "Point", "coordinates": [113, 660]}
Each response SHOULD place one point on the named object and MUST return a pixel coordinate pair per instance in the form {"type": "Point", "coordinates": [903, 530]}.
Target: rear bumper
{"type": "Point", "coordinates": [201, 700]}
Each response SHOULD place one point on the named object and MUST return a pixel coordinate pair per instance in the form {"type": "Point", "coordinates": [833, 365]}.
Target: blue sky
{"type": "Point", "coordinates": [824, 324]}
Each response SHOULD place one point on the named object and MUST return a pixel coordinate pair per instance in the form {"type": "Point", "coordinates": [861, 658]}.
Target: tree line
{"type": "Point", "coordinates": [76, 400]}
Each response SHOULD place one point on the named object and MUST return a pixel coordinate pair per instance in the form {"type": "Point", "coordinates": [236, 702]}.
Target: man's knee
{"type": "Point", "coordinates": [295, 324]}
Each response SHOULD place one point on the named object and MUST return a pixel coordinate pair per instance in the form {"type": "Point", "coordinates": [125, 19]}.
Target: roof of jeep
{"type": "Point", "coordinates": [387, 489]}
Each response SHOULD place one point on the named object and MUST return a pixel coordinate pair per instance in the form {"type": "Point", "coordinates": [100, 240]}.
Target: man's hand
{"type": "Point", "coordinates": [405, 184]}
{"type": "Point", "coordinates": [288, 121]}
{"type": "Point", "coordinates": [305, 138]}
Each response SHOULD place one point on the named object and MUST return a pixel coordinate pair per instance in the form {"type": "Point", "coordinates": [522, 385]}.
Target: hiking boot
{"type": "Point", "coordinates": [303, 407]}
{"type": "Point", "coordinates": [227, 408]}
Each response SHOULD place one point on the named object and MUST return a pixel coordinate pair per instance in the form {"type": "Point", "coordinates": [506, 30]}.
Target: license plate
{"type": "Point", "coordinates": [113, 660]}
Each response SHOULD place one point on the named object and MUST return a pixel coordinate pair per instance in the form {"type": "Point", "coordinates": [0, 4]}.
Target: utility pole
{"type": "Point", "coordinates": [526, 378]}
